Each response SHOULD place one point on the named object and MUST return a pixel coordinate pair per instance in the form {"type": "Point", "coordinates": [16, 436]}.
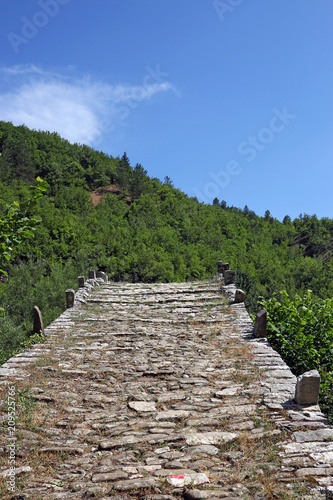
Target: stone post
{"type": "Point", "coordinates": [307, 388]}
{"type": "Point", "coordinates": [92, 275]}
{"type": "Point", "coordinates": [81, 281]}
{"type": "Point", "coordinates": [38, 321]}
{"type": "Point", "coordinates": [70, 298]}
{"type": "Point", "coordinates": [225, 267]}
{"type": "Point", "coordinates": [229, 277]}
{"type": "Point", "coordinates": [260, 325]}
{"type": "Point", "coordinates": [101, 274]}
{"type": "Point", "coordinates": [219, 267]}
{"type": "Point", "coordinates": [239, 296]}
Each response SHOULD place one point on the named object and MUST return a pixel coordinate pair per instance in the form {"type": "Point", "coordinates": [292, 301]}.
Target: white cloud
{"type": "Point", "coordinates": [78, 109]}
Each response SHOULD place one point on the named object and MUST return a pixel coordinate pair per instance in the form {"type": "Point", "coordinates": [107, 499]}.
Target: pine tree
{"type": "Point", "coordinates": [168, 181]}
{"type": "Point", "coordinates": [124, 171]}
{"type": "Point", "coordinates": [138, 181]}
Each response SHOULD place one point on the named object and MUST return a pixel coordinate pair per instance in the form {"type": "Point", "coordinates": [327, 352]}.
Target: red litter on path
{"type": "Point", "coordinates": [180, 481]}
{"type": "Point", "coordinates": [176, 480]}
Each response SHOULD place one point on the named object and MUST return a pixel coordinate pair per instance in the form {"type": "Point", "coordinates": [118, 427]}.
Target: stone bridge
{"type": "Point", "coordinates": [158, 392]}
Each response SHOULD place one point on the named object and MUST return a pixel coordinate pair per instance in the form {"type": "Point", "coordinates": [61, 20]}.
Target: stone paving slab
{"type": "Point", "coordinates": [158, 391]}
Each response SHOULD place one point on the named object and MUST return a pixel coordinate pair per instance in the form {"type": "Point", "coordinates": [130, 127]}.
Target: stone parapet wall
{"type": "Point", "coordinates": [14, 366]}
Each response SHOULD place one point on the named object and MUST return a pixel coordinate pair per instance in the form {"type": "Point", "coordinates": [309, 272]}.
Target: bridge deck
{"type": "Point", "coordinates": [157, 392]}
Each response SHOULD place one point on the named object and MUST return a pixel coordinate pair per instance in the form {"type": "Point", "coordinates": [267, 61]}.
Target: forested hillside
{"type": "Point", "coordinates": [144, 229]}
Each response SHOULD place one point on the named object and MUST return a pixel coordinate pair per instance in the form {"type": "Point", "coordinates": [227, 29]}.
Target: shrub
{"type": "Point", "coordinates": [302, 332]}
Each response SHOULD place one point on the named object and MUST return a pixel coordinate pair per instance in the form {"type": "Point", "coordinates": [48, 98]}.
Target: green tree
{"type": "Point", "coordinates": [124, 171]}
{"type": "Point", "coordinates": [268, 216]}
{"type": "Point", "coordinates": [168, 181]}
{"type": "Point", "coordinates": [17, 223]}
{"type": "Point", "coordinates": [138, 181]}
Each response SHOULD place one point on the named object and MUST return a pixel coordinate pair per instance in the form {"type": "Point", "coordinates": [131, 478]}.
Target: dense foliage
{"type": "Point", "coordinates": [16, 224]}
{"type": "Point", "coordinates": [142, 229]}
{"type": "Point", "coordinates": [302, 331]}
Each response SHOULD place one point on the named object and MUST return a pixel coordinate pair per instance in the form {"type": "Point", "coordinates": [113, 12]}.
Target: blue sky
{"type": "Point", "coordinates": [230, 99]}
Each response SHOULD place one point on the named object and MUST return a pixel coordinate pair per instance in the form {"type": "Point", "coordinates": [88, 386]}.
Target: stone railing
{"type": "Point", "coordinates": [74, 299]}
{"type": "Point", "coordinates": [308, 384]}
{"type": "Point", "coordinates": [228, 277]}
{"type": "Point", "coordinates": [85, 287]}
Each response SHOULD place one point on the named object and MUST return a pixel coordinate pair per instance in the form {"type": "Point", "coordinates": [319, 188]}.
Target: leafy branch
{"type": "Point", "coordinates": [17, 223]}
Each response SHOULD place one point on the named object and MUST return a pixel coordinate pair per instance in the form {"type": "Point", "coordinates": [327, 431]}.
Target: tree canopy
{"type": "Point", "coordinates": [140, 229]}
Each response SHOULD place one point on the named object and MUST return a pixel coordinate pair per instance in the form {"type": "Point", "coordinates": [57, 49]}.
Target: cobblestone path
{"type": "Point", "coordinates": [158, 392]}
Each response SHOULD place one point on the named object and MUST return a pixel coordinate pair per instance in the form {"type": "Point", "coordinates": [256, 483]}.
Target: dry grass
{"type": "Point", "coordinates": [258, 458]}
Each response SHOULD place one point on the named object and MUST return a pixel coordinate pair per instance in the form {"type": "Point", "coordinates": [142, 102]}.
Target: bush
{"type": "Point", "coordinates": [246, 283]}
{"type": "Point", "coordinates": [32, 283]}
{"type": "Point", "coordinates": [302, 332]}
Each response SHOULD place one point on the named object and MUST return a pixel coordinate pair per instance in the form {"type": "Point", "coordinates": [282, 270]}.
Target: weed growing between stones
{"type": "Point", "coordinates": [3, 487]}
{"type": "Point", "coordinates": [235, 444]}
{"type": "Point", "coordinates": [203, 356]}
{"type": "Point", "coordinates": [29, 424]}
{"type": "Point", "coordinates": [297, 491]}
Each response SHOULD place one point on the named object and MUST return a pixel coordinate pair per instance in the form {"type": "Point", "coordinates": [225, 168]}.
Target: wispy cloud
{"type": "Point", "coordinates": [74, 107]}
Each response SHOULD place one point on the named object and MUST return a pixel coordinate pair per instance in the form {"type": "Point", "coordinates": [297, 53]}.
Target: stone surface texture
{"type": "Point", "coordinates": [219, 267]}
{"type": "Point", "coordinates": [239, 296]}
{"type": "Point", "coordinates": [160, 392]}
{"type": "Point", "coordinates": [260, 325]}
{"type": "Point", "coordinates": [229, 277]}
{"type": "Point", "coordinates": [70, 298]}
{"type": "Point", "coordinates": [307, 388]}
